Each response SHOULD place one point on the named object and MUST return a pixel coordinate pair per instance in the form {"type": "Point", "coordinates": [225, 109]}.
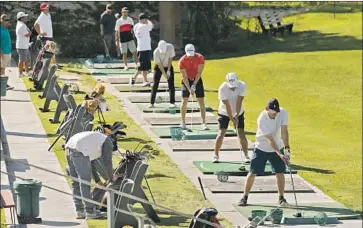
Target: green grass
{"type": "Point", "coordinates": [317, 76]}
{"type": "Point", "coordinates": [170, 187]}
{"type": "Point", "coordinates": [3, 220]}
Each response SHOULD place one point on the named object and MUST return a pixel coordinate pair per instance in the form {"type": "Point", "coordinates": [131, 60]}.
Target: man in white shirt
{"type": "Point", "coordinates": [124, 36]}
{"type": "Point", "coordinates": [89, 152]}
{"type": "Point", "coordinates": [142, 32]}
{"type": "Point", "coordinates": [22, 43]}
{"type": "Point", "coordinates": [43, 25]}
{"type": "Point", "coordinates": [272, 138]}
{"type": "Point", "coordinates": [231, 94]}
{"type": "Point", "coordinates": [163, 58]}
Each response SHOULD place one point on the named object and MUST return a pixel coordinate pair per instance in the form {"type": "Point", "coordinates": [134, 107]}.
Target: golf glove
{"type": "Point", "coordinates": [287, 155]}
{"type": "Point", "coordinates": [168, 73]}
{"type": "Point", "coordinates": [193, 88]}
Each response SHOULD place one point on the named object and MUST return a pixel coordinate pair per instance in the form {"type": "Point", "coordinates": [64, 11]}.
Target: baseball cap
{"type": "Point", "coordinates": [20, 15]}
{"type": "Point", "coordinates": [190, 50]}
{"type": "Point", "coordinates": [124, 9]}
{"type": "Point", "coordinates": [232, 80]}
{"type": "Point", "coordinates": [143, 16]}
{"type": "Point", "coordinates": [44, 6]}
{"type": "Point", "coordinates": [273, 104]}
{"type": "Point", "coordinates": [162, 46]}
{"type": "Point", "coordinates": [109, 6]}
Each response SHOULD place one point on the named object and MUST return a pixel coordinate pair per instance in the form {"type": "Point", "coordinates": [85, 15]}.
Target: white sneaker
{"type": "Point", "coordinates": [183, 126]}
{"type": "Point", "coordinates": [81, 215]}
{"type": "Point", "coordinates": [96, 214]}
{"type": "Point", "coordinates": [215, 159]}
{"type": "Point", "coordinates": [204, 127]}
{"type": "Point", "coordinates": [151, 106]}
{"type": "Point", "coordinates": [146, 84]}
{"type": "Point", "coordinates": [247, 159]}
{"type": "Point", "coordinates": [172, 106]}
{"type": "Point", "coordinates": [126, 68]}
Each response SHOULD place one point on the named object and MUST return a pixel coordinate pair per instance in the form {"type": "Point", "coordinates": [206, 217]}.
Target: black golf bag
{"type": "Point", "coordinates": [209, 214]}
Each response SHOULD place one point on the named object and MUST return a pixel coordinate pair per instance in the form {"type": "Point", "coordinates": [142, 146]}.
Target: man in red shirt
{"type": "Point", "coordinates": [191, 66]}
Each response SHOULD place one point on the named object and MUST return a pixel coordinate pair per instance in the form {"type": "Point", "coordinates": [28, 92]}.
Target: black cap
{"type": "Point", "coordinates": [124, 9]}
{"type": "Point", "coordinates": [273, 104]}
{"type": "Point", "coordinates": [143, 16]}
{"type": "Point", "coordinates": [109, 6]}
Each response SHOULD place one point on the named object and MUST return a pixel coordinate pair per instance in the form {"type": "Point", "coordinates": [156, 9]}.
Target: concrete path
{"type": "Point", "coordinates": [24, 139]}
{"type": "Point", "coordinates": [223, 202]}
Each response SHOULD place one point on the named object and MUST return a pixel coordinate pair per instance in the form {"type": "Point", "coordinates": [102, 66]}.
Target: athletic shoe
{"type": "Point", "coordinates": [247, 159]}
{"type": "Point", "coordinates": [205, 127]}
{"type": "Point", "coordinates": [215, 159]}
{"type": "Point", "coordinates": [132, 81]}
{"type": "Point", "coordinates": [126, 68]}
{"type": "Point", "coordinates": [183, 126]}
{"type": "Point", "coordinates": [95, 215]}
{"type": "Point", "coordinates": [146, 84]}
{"type": "Point", "coordinates": [8, 87]}
{"type": "Point", "coordinates": [81, 215]}
{"type": "Point", "coordinates": [242, 202]}
{"type": "Point", "coordinates": [151, 105]}
{"type": "Point", "coordinates": [172, 106]}
{"type": "Point", "coordinates": [282, 200]}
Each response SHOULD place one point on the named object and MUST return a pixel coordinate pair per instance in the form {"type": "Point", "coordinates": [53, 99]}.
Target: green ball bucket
{"type": "Point", "coordinates": [276, 216]}
{"type": "Point", "coordinates": [3, 83]}
{"type": "Point", "coordinates": [258, 213]}
{"type": "Point", "coordinates": [176, 133]}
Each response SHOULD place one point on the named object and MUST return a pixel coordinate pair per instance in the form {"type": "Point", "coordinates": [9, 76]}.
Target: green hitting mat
{"type": "Point", "coordinates": [165, 132]}
{"type": "Point", "coordinates": [139, 89]}
{"type": "Point", "coordinates": [105, 72]}
{"type": "Point", "coordinates": [229, 167]}
{"type": "Point", "coordinates": [334, 210]}
{"type": "Point", "coordinates": [164, 108]}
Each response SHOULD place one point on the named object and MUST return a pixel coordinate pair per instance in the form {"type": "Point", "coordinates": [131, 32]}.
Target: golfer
{"type": "Point", "coordinates": [231, 95]}
{"type": "Point", "coordinates": [272, 127]}
{"type": "Point", "coordinates": [163, 57]}
{"type": "Point", "coordinates": [124, 36]}
{"type": "Point", "coordinates": [23, 34]}
{"type": "Point", "coordinates": [5, 46]}
{"type": "Point", "coordinates": [89, 152]}
{"type": "Point", "coordinates": [191, 66]}
{"type": "Point", "coordinates": [142, 32]}
{"type": "Point", "coordinates": [107, 29]}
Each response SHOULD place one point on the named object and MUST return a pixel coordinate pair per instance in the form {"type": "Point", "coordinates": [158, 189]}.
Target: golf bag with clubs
{"type": "Point", "coordinates": [209, 214]}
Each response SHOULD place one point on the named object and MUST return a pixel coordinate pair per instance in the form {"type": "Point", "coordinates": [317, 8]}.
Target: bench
{"type": "Point", "coordinates": [7, 201]}
{"type": "Point", "coordinates": [271, 23]}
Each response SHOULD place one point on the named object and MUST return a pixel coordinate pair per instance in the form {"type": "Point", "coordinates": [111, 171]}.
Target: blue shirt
{"type": "Point", "coordinates": [5, 41]}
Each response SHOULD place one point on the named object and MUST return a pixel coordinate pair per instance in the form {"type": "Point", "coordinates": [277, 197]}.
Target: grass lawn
{"type": "Point", "coordinates": [3, 221]}
{"type": "Point", "coordinates": [169, 185]}
{"type": "Point", "coordinates": [317, 76]}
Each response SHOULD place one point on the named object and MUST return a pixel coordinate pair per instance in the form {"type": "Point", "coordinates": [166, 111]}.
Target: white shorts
{"type": "Point", "coordinates": [5, 60]}
{"type": "Point", "coordinates": [128, 46]}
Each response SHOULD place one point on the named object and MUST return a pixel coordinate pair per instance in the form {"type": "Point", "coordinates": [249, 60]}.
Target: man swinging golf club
{"type": "Point", "coordinates": [272, 126]}
{"type": "Point", "coordinates": [87, 153]}
{"type": "Point", "coordinates": [231, 95]}
{"type": "Point", "coordinates": [191, 66]}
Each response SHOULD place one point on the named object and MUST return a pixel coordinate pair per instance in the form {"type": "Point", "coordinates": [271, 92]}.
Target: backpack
{"type": "Point", "coordinates": [209, 214]}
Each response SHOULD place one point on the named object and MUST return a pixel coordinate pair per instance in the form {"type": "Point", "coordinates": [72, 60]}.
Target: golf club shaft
{"type": "Point", "coordinates": [201, 187]}
{"type": "Point", "coordinates": [148, 186]}
{"type": "Point", "coordinates": [239, 143]}
{"type": "Point", "coordinates": [264, 218]}
{"type": "Point", "coordinates": [293, 188]}
{"type": "Point", "coordinates": [191, 116]}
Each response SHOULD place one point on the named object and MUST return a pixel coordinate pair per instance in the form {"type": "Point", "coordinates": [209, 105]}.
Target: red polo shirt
{"type": "Point", "coordinates": [190, 64]}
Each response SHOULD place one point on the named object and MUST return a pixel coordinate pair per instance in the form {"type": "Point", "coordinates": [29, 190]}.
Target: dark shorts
{"type": "Point", "coordinates": [259, 159]}
{"type": "Point", "coordinates": [144, 60]}
{"type": "Point", "coordinates": [45, 39]}
{"type": "Point", "coordinates": [224, 121]}
{"type": "Point", "coordinates": [199, 89]}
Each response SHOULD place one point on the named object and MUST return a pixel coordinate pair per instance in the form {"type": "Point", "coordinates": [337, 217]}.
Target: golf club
{"type": "Point", "coordinates": [191, 116]}
{"type": "Point", "coordinates": [242, 168]}
{"type": "Point", "coordinates": [298, 213]}
{"type": "Point", "coordinates": [106, 49]}
{"type": "Point", "coordinates": [140, 142]}
{"type": "Point", "coordinates": [201, 187]}
{"type": "Point", "coordinates": [250, 224]}
{"type": "Point", "coordinates": [155, 152]}
{"type": "Point", "coordinates": [147, 147]}
{"type": "Point", "coordinates": [148, 186]}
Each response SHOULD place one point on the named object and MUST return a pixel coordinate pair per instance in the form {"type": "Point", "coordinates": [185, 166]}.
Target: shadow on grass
{"type": "Point", "coordinates": [311, 169]}
{"type": "Point", "coordinates": [133, 139]}
{"type": "Point", "coordinates": [158, 175]}
{"type": "Point", "coordinates": [305, 41]}
{"type": "Point", "coordinates": [166, 218]}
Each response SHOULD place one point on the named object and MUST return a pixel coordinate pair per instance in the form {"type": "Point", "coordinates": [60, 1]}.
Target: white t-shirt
{"type": "Point", "coordinates": [142, 34]}
{"type": "Point", "coordinates": [163, 58]}
{"type": "Point", "coordinates": [266, 125]}
{"type": "Point", "coordinates": [88, 142]}
{"type": "Point", "coordinates": [22, 42]}
{"type": "Point", "coordinates": [45, 24]}
{"type": "Point", "coordinates": [225, 93]}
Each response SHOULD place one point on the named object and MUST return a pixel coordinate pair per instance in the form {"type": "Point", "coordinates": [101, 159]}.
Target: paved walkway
{"type": "Point", "coordinates": [26, 140]}
{"type": "Point", "coordinates": [223, 202]}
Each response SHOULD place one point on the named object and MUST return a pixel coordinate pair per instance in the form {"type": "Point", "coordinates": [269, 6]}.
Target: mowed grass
{"type": "Point", "coordinates": [316, 74]}
{"type": "Point", "coordinates": [170, 187]}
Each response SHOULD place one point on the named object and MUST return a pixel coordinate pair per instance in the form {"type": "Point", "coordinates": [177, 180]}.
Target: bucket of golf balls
{"type": "Point", "coordinates": [176, 133]}
{"type": "Point", "coordinates": [89, 64]}
{"type": "Point", "coordinates": [258, 213]}
{"type": "Point", "coordinates": [321, 218]}
{"type": "Point", "coordinates": [276, 215]}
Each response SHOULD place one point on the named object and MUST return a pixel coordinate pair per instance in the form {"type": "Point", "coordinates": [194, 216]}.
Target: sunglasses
{"type": "Point", "coordinates": [6, 19]}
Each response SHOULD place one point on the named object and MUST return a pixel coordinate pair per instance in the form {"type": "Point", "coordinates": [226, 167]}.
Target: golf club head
{"type": "Point", "coordinates": [298, 214]}
{"type": "Point", "coordinates": [142, 141]}
{"type": "Point", "coordinates": [155, 152]}
{"type": "Point", "coordinates": [148, 147]}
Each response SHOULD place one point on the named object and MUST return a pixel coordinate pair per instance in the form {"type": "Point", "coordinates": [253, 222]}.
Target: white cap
{"type": "Point", "coordinates": [20, 15]}
{"type": "Point", "coordinates": [189, 50]}
{"type": "Point", "coordinates": [162, 46]}
{"type": "Point", "coordinates": [232, 80]}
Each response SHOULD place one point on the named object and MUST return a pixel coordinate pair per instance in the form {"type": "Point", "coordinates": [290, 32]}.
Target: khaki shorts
{"type": "Point", "coordinates": [128, 46]}
{"type": "Point", "coordinates": [5, 60]}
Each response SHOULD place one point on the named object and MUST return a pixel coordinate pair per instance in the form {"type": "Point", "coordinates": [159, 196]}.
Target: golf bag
{"type": "Point", "coordinates": [209, 214]}
{"type": "Point", "coordinates": [112, 131]}
{"type": "Point", "coordinates": [122, 171]}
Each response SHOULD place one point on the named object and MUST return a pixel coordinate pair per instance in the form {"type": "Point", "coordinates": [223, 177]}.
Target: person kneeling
{"type": "Point", "coordinates": [87, 153]}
